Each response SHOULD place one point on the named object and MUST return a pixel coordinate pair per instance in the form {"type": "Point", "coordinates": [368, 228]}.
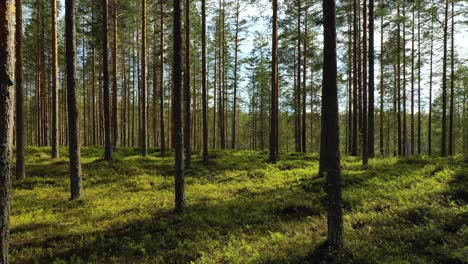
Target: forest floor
{"type": "Point", "coordinates": [241, 209]}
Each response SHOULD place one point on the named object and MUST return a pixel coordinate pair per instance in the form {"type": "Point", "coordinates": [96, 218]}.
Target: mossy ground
{"type": "Point", "coordinates": [241, 209]}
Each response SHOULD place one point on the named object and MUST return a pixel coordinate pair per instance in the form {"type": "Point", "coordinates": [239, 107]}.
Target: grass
{"type": "Point", "coordinates": [240, 210]}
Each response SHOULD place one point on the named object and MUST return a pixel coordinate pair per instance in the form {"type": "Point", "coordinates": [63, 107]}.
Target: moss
{"type": "Point", "coordinates": [241, 209]}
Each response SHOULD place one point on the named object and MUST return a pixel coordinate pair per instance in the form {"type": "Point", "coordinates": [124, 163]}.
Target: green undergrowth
{"type": "Point", "coordinates": [241, 209]}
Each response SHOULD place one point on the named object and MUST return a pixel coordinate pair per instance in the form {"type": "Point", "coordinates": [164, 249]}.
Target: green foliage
{"type": "Point", "coordinates": [240, 210]}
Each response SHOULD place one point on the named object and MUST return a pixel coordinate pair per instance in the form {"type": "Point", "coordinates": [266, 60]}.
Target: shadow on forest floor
{"type": "Point", "coordinates": [240, 209]}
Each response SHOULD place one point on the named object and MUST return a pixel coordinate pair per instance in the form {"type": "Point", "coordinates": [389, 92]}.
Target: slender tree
{"type": "Point", "coordinates": [429, 122]}
{"type": "Point", "coordinates": [20, 133]}
{"type": "Point", "coordinates": [105, 83]}
{"type": "Point", "coordinates": [115, 125]}
{"type": "Point", "coordinates": [236, 61]}
{"type": "Point", "coordinates": [382, 86]}
{"type": "Point", "coordinates": [371, 148]}
{"type": "Point", "coordinates": [204, 85]}
{"type": "Point", "coordinates": [412, 81]}
{"type": "Point", "coordinates": [7, 92]}
{"type": "Point", "coordinates": [143, 101]}
{"type": "Point", "coordinates": [354, 144]}
{"type": "Point", "coordinates": [55, 125]}
{"type": "Point", "coordinates": [177, 129]}
{"type": "Point", "coordinates": [161, 80]}
{"type": "Point", "coordinates": [76, 186]}
{"type": "Point", "coordinates": [419, 79]}
{"type": "Point", "coordinates": [187, 90]}
{"type": "Point", "coordinates": [365, 147]}
{"type": "Point", "coordinates": [329, 147]}
{"type": "Point", "coordinates": [443, 141]}
{"type": "Point", "coordinates": [451, 147]}
{"type": "Point", "coordinates": [274, 116]}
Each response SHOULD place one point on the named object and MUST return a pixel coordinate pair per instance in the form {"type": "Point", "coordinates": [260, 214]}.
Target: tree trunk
{"type": "Point", "coordinates": [274, 116]}
{"type": "Point", "coordinates": [187, 91]}
{"type": "Point", "coordinates": [143, 105]}
{"type": "Point", "coordinates": [382, 87]}
{"type": "Point", "coordinates": [365, 147]}
{"type": "Point", "coordinates": [354, 144]}
{"type": "Point", "coordinates": [161, 81]}
{"type": "Point", "coordinates": [443, 146]}
{"type": "Point", "coordinates": [371, 151]}
{"type": "Point", "coordinates": [405, 129]}
{"type": "Point", "coordinates": [115, 125]}
{"type": "Point", "coordinates": [55, 143]}
{"type": "Point", "coordinates": [7, 101]}
{"type": "Point", "coordinates": [399, 81]}
{"type": "Point", "coordinates": [429, 130]}
{"type": "Point", "coordinates": [419, 79]}
{"type": "Point", "coordinates": [73, 122]}
{"type": "Point", "coordinates": [330, 147]}
{"type": "Point", "coordinates": [106, 99]}
{"type": "Point", "coordinates": [20, 136]}
{"type": "Point", "coordinates": [236, 49]}
{"type": "Point", "coordinates": [204, 85]}
{"type": "Point", "coordinates": [177, 109]}
{"type": "Point", "coordinates": [451, 146]}
{"type": "Point", "coordinates": [304, 90]}
{"type": "Point", "coordinates": [412, 84]}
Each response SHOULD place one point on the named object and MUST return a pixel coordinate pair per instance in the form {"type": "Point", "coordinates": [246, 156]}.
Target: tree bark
{"type": "Point", "coordinates": [371, 129]}
{"type": "Point", "coordinates": [443, 146]}
{"type": "Point", "coordinates": [451, 146]}
{"type": "Point", "coordinates": [354, 143]}
{"type": "Point", "coordinates": [382, 87]}
{"type": "Point", "coordinates": [274, 118]}
{"type": "Point", "coordinates": [187, 90]}
{"type": "Point", "coordinates": [105, 75]}
{"type": "Point", "coordinates": [365, 147]}
{"type": "Point", "coordinates": [73, 118]}
{"type": "Point", "coordinates": [143, 105]}
{"type": "Point", "coordinates": [429, 122]}
{"type": "Point", "coordinates": [329, 147]}
{"type": "Point", "coordinates": [115, 125]}
{"type": "Point", "coordinates": [236, 49]}
{"type": "Point", "coordinates": [177, 109]}
{"type": "Point", "coordinates": [55, 125]}
{"type": "Point", "coordinates": [161, 80]}
{"type": "Point", "coordinates": [7, 105]}
{"type": "Point", "coordinates": [204, 85]}
{"type": "Point", "coordinates": [20, 135]}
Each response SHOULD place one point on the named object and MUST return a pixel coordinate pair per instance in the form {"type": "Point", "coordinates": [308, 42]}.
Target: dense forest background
{"type": "Point", "coordinates": [246, 80]}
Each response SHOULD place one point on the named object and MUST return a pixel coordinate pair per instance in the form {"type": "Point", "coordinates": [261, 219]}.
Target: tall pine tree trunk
{"type": "Point", "coordinates": [371, 148]}
{"type": "Point", "coordinates": [451, 146]}
{"type": "Point", "coordinates": [204, 85]}
{"type": "Point", "coordinates": [55, 125]}
{"type": "Point", "coordinates": [354, 143]}
{"type": "Point", "coordinates": [274, 116]}
{"type": "Point", "coordinates": [330, 147]}
{"type": "Point", "coordinates": [20, 133]}
{"type": "Point", "coordinates": [187, 90]}
{"type": "Point", "coordinates": [429, 122]}
{"type": "Point", "coordinates": [443, 141]}
{"type": "Point", "coordinates": [7, 101]}
{"type": "Point", "coordinates": [365, 147]}
{"type": "Point", "coordinates": [76, 186]}
{"type": "Point", "coordinates": [106, 96]}
{"type": "Point", "coordinates": [236, 49]}
{"type": "Point", "coordinates": [161, 81]}
{"type": "Point", "coordinates": [143, 105]}
{"type": "Point", "coordinates": [177, 108]}
{"type": "Point", "coordinates": [115, 125]}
